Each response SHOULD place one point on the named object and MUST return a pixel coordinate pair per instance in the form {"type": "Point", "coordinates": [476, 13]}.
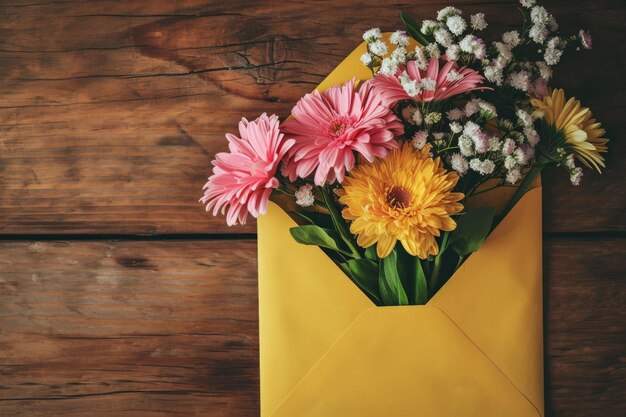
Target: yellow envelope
{"type": "Point", "coordinates": [475, 349]}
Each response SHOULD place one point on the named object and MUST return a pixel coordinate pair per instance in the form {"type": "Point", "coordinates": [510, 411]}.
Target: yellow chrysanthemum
{"type": "Point", "coordinates": [582, 132]}
{"type": "Point", "coordinates": [406, 196]}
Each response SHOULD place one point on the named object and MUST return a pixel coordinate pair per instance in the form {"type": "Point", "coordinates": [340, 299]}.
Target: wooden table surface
{"type": "Point", "coordinates": [119, 296]}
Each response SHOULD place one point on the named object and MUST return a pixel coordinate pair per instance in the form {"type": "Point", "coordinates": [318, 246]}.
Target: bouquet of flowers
{"type": "Point", "coordinates": [409, 178]}
{"type": "Point", "coordinates": [381, 173]}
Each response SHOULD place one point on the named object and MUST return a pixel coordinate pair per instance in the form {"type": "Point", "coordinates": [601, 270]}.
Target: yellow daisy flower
{"type": "Point", "coordinates": [406, 196]}
{"type": "Point", "coordinates": [583, 134]}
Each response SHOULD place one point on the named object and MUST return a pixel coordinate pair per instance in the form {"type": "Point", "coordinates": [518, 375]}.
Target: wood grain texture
{"type": "Point", "coordinates": [170, 328]}
{"type": "Point", "coordinates": [128, 329]}
{"type": "Point", "coordinates": [112, 110]}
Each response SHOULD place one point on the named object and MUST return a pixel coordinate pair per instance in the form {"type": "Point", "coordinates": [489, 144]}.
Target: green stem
{"type": "Point", "coordinates": [527, 183]}
{"type": "Point", "coordinates": [284, 191]}
{"type": "Point", "coordinates": [434, 279]}
{"type": "Point", "coordinates": [338, 222]}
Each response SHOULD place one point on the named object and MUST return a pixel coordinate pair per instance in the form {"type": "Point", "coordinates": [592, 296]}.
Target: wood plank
{"type": "Point", "coordinates": [153, 328]}
{"type": "Point", "coordinates": [135, 329]}
{"type": "Point", "coordinates": [111, 111]}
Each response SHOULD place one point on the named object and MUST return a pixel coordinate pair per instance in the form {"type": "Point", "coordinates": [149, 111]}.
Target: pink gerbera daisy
{"type": "Point", "coordinates": [431, 84]}
{"type": "Point", "coordinates": [243, 178]}
{"type": "Point", "coordinates": [330, 127]}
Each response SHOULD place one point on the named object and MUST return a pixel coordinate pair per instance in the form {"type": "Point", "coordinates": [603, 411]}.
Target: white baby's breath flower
{"type": "Point", "coordinates": [399, 55]}
{"type": "Point", "coordinates": [511, 38]}
{"type": "Point", "coordinates": [524, 117]}
{"type": "Point", "coordinates": [421, 60]}
{"type": "Point", "coordinates": [304, 196]}
{"type": "Point", "coordinates": [366, 58]}
{"type": "Point", "coordinates": [443, 37]}
{"type": "Point", "coordinates": [518, 137]}
{"type": "Point", "coordinates": [428, 84]}
{"type": "Point", "coordinates": [388, 67]}
{"type": "Point", "coordinates": [471, 129]}
{"type": "Point", "coordinates": [508, 147]}
{"type": "Point", "coordinates": [417, 117]}
{"type": "Point", "coordinates": [429, 26]}
{"type": "Point", "coordinates": [585, 39]}
{"type": "Point", "coordinates": [459, 164]}
{"type": "Point", "coordinates": [372, 35]}
{"type": "Point", "coordinates": [455, 114]}
{"type": "Point", "coordinates": [410, 86]}
{"type": "Point", "coordinates": [446, 12]}
{"type": "Point", "coordinates": [487, 110]}
{"type": "Point", "coordinates": [453, 52]}
{"type": "Point", "coordinates": [453, 75]}
{"type": "Point", "coordinates": [378, 48]}
{"type": "Point", "coordinates": [510, 162]}
{"type": "Point", "coordinates": [523, 154]}
{"type": "Point", "coordinates": [544, 70]}
{"type": "Point", "coordinates": [419, 139]}
{"type": "Point", "coordinates": [494, 74]}
{"type": "Point", "coordinates": [485, 167]}
{"type": "Point", "coordinates": [433, 51]}
{"type": "Point", "coordinates": [466, 145]}
{"type": "Point", "coordinates": [576, 176]}
{"type": "Point", "coordinates": [569, 161]}
{"type": "Point", "coordinates": [456, 127]}
{"type": "Point", "coordinates": [494, 144]}
{"type": "Point", "coordinates": [473, 45]}
{"type": "Point", "coordinates": [553, 54]}
{"type": "Point", "coordinates": [538, 33]}
{"type": "Point", "coordinates": [519, 80]}
{"type": "Point", "coordinates": [528, 3]}
{"type": "Point", "coordinates": [539, 15]}
{"type": "Point", "coordinates": [471, 107]}
{"type": "Point", "coordinates": [456, 24]}
{"type": "Point", "coordinates": [513, 176]}
{"type": "Point", "coordinates": [552, 24]}
{"type": "Point", "coordinates": [481, 142]}
{"type": "Point", "coordinates": [478, 21]}
{"type": "Point", "coordinates": [531, 136]}
{"type": "Point", "coordinates": [399, 38]}
{"type": "Point", "coordinates": [505, 56]}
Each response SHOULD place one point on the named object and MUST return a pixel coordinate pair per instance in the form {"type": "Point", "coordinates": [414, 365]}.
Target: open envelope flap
{"type": "Point", "coordinates": [404, 361]}
{"type": "Point", "coordinates": [305, 303]}
{"type": "Point", "coordinates": [496, 298]}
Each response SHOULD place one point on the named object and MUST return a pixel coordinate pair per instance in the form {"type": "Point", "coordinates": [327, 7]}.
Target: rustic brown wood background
{"type": "Point", "coordinates": [119, 296]}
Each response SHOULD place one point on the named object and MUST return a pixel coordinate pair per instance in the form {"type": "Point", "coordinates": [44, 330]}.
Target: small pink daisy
{"type": "Point", "coordinates": [431, 84]}
{"type": "Point", "coordinates": [243, 178]}
{"type": "Point", "coordinates": [330, 127]}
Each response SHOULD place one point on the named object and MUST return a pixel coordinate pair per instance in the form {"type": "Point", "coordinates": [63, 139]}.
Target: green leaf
{"type": "Point", "coordinates": [421, 287]}
{"type": "Point", "coordinates": [370, 253]}
{"type": "Point", "coordinates": [472, 230]}
{"type": "Point", "coordinates": [405, 264]}
{"type": "Point", "coordinates": [413, 29]}
{"type": "Point", "coordinates": [315, 235]}
{"type": "Point", "coordinates": [312, 217]}
{"type": "Point", "coordinates": [365, 275]}
{"type": "Point", "coordinates": [391, 289]}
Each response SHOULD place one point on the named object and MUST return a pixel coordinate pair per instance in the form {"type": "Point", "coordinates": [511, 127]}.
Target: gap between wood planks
{"type": "Point", "coordinates": [243, 236]}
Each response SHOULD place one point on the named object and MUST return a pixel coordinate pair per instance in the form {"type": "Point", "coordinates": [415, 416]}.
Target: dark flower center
{"type": "Point", "coordinates": [398, 197]}
{"type": "Point", "coordinates": [340, 125]}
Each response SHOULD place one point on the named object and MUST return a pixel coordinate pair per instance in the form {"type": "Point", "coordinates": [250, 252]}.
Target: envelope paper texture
{"type": "Point", "coordinates": [475, 349]}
